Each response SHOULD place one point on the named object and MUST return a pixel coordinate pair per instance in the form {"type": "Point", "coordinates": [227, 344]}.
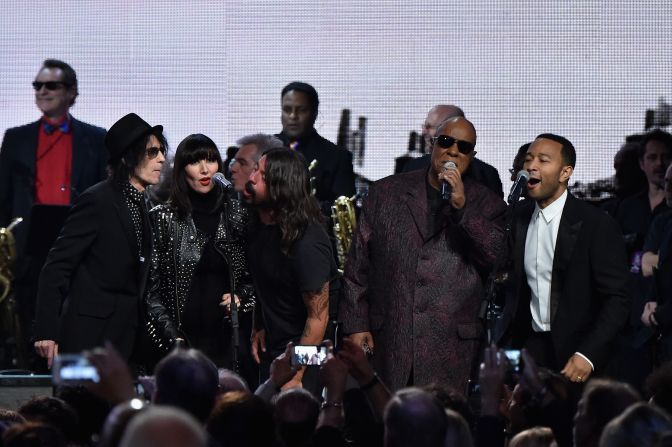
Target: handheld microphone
{"type": "Point", "coordinates": [446, 188]}
{"type": "Point", "coordinates": [222, 181]}
{"type": "Point", "coordinates": [516, 190]}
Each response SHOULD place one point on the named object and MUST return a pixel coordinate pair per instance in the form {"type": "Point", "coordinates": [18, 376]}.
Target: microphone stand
{"type": "Point", "coordinates": [490, 312]}
{"type": "Point", "coordinates": [235, 324]}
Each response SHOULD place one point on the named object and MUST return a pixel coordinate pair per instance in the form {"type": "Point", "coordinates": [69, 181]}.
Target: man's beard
{"type": "Point", "coordinates": [249, 188]}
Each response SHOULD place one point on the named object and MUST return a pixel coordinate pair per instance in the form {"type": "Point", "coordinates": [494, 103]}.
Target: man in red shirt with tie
{"type": "Point", "coordinates": [47, 162]}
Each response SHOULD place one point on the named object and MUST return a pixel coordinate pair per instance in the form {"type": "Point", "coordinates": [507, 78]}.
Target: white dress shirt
{"type": "Point", "coordinates": [542, 234]}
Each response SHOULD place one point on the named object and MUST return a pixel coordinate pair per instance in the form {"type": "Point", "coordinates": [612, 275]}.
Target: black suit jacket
{"type": "Point", "coordinates": [17, 169]}
{"type": "Point", "coordinates": [334, 176]}
{"type": "Point", "coordinates": [479, 170]}
{"type": "Point", "coordinates": [589, 300]}
{"type": "Point", "coordinates": [91, 285]}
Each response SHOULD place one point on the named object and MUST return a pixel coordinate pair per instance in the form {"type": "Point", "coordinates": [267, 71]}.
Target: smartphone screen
{"type": "Point", "coordinates": [309, 355]}
{"type": "Point", "coordinates": [73, 368]}
{"type": "Point", "coordinates": [514, 359]}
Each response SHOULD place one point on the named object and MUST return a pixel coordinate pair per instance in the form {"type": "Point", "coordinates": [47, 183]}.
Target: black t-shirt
{"type": "Point", "coordinates": [281, 279]}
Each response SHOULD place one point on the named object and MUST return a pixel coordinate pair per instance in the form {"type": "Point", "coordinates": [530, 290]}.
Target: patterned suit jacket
{"type": "Point", "coordinates": [416, 291]}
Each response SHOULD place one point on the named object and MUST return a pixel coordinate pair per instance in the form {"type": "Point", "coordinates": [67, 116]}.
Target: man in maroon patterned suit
{"type": "Point", "coordinates": [414, 277]}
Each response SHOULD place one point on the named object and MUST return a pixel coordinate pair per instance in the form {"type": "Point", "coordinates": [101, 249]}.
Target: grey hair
{"type": "Point", "coordinates": [145, 429]}
{"type": "Point", "coordinates": [264, 142]}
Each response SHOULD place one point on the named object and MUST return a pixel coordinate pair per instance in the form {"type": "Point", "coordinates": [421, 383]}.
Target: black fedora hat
{"type": "Point", "coordinates": [125, 132]}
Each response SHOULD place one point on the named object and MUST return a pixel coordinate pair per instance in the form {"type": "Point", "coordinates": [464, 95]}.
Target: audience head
{"type": "Point", "coordinates": [457, 430]}
{"type": "Point", "coordinates": [241, 419]}
{"type": "Point", "coordinates": [655, 154]}
{"type": "Point", "coordinates": [640, 425]}
{"type": "Point", "coordinates": [299, 109]}
{"type": "Point", "coordinates": [32, 434]}
{"type": "Point", "coordinates": [452, 400]}
{"type": "Point", "coordinates": [628, 177]}
{"type": "Point", "coordinates": [602, 401]}
{"type": "Point", "coordinates": [137, 151]}
{"type": "Point", "coordinates": [162, 426]}
{"type": "Point", "coordinates": [519, 161]}
{"type": "Point", "coordinates": [11, 416]}
{"type": "Point", "coordinates": [534, 437]}
{"type": "Point", "coordinates": [55, 412]}
{"type": "Point", "coordinates": [230, 381]}
{"type": "Point", "coordinates": [91, 411]}
{"type": "Point", "coordinates": [187, 379]}
{"type": "Point", "coordinates": [413, 418]}
{"type": "Point", "coordinates": [55, 88]}
{"type": "Point", "coordinates": [246, 160]}
{"type": "Point", "coordinates": [437, 115]}
{"type": "Point", "coordinates": [550, 160]}
{"type": "Point", "coordinates": [658, 387]}
{"type": "Point", "coordinates": [197, 159]}
{"type": "Point", "coordinates": [668, 186]}
{"type": "Point", "coordinates": [117, 421]}
{"type": "Point", "coordinates": [296, 413]}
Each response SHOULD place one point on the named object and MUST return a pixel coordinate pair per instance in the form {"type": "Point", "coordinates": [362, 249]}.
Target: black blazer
{"type": "Point", "coordinates": [90, 287]}
{"type": "Point", "coordinates": [17, 169]}
{"type": "Point", "coordinates": [589, 300]}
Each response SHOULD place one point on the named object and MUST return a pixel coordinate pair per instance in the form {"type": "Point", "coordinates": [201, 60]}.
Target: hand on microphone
{"type": "Point", "coordinates": [452, 177]}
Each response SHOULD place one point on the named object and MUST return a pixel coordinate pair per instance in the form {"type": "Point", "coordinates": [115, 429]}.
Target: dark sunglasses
{"type": "Point", "coordinates": [153, 152]}
{"type": "Point", "coordinates": [445, 142]}
{"type": "Point", "coordinates": [50, 85]}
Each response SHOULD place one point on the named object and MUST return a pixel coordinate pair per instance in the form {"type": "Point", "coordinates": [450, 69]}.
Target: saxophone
{"type": "Point", "coordinates": [344, 221]}
{"type": "Point", "coordinates": [7, 258]}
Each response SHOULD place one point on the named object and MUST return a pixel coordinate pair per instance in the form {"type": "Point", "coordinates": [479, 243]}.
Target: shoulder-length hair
{"type": "Point", "coordinates": [288, 184]}
{"type": "Point", "coordinates": [123, 169]}
{"type": "Point", "coordinates": [193, 148]}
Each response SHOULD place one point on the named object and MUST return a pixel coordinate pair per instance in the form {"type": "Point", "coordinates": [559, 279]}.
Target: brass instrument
{"type": "Point", "coordinates": [7, 258]}
{"type": "Point", "coordinates": [9, 318]}
{"type": "Point", "coordinates": [344, 219]}
{"type": "Point", "coordinates": [311, 170]}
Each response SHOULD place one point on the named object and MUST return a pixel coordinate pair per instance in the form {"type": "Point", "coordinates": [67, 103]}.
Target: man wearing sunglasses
{"type": "Point", "coordinates": [478, 169]}
{"type": "Point", "coordinates": [48, 162]}
{"type": "Point", "coordinates": [413, 281]}
{"type": "Point", "coordinates": [92, 284]}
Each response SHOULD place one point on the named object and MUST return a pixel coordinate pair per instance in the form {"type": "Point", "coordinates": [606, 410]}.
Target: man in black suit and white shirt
{"type": "Point", "coordinates": [568, 297]}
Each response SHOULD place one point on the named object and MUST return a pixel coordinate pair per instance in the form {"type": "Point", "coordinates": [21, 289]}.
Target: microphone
{"type": "Point", "coordinates": [516, 190]}
{"type": "Point", "coordinates": [446, 188]}
{"type": "Point", "coordinates": [222, 181]}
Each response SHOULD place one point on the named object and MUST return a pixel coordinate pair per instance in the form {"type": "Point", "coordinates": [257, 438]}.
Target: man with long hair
{"type": "Point", "coordinates": [91, 286]}
{"type": "Point", "coordinates": [290, 258]}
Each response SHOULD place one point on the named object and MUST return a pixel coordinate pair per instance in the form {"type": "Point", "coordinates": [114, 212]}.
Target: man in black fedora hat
{"type": "Point", "coordinates": [92, 282]}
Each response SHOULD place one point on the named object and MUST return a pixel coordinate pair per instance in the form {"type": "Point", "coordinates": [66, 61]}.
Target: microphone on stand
{"type": "Point", "coordinates": [446, 188]}
{"type": "Point", "coordinates": [222, 181]}
{"type": "Point", "coordinates": [517, 189]}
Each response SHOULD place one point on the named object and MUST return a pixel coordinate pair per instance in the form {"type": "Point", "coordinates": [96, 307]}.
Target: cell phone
{"type": "Point", "coordinates": [473, 388]}
{"type": "Point", "coordinates": [309, 355]}
{"type": "Point", "coordinates": [72, 369]}
{"type": "Point", "coordinates": [515, 359]}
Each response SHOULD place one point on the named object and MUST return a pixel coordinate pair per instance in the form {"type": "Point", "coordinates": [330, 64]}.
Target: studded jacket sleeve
{"type": "Point", "coordinates": [162, 328]}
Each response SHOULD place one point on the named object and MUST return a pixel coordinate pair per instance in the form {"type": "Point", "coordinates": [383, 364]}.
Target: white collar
{"type": "Point", "coordinates": [552, 210]}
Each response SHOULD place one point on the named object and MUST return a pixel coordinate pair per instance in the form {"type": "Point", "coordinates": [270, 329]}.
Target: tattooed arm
{"type": "Point", "coordinates": [317, 305]}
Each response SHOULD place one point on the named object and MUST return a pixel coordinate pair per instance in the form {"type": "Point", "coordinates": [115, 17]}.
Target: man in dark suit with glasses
{"type": "Point", "coordinates": [413, 281]}
{"type": "Point", "coordinates": [48, 162]}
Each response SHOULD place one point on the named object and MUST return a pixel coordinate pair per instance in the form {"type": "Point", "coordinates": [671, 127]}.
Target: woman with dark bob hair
{"type": "Point", "coordinates": [198, 235]}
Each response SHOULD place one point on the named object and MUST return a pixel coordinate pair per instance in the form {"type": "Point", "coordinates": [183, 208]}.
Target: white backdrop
{"type": "Point", "coordinates": [584, 69]}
